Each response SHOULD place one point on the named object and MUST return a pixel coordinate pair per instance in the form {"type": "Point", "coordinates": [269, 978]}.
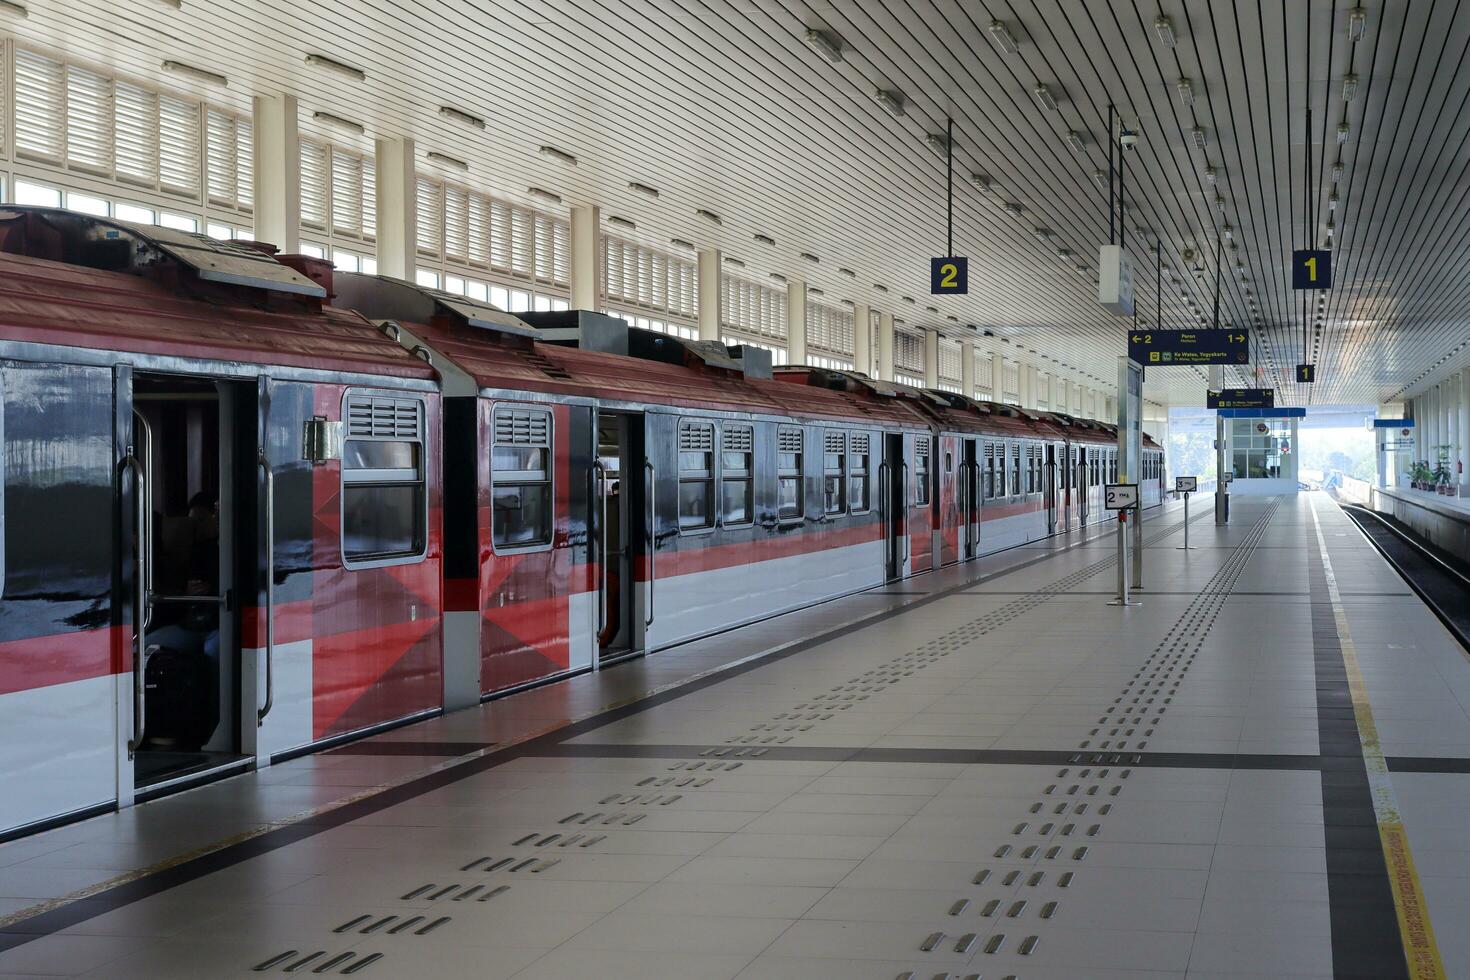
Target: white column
{"type": "Point", "coordinates": [1084, 402]}
{"type": "Point", "coordinates": [1463, 410]}
{"type": "Point", "coordinates": [586, 269]}
{"type": "Point", "coordinates": [997, 377]}
{"type": "Point", "coordinates": [885, 346]}
{"type": "Point", "coordinates": [1452, 424]}
{"type": "Point", "coordinates": [862, 339]}
{"type": "Point", "coordinates": [967, 367]}
{"type": "Point", "coordinates": [1024, 386]}
{"type": "Point", "coordinates": [1031, 381]}
{"type": "Point", "coordinates": [277, 172]}
{"type": "Point", "coordinates": [796, 321]}
{"type": "Point", "coordinates": [711, 289]}
{"type": "Point", "coordinates": [398, 209]}
{"type": "Point", "coordinates": [1061, 394]}
{"type": "Point", "coordinates": [931, 358]}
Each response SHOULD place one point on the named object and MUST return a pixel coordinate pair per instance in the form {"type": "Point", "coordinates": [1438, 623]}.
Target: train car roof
{"type": "Point", "coordinates": [156, 305]}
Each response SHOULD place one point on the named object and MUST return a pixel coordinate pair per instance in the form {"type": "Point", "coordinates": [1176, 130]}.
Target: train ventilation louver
{"type": "Point", "coordinates": [860, 444]}
{"type": "Point", "coordinates": [789, 441]}
{"type": "Point", "coordinates": [383, 418]}
{"type": "Point", "coordinates": [519, 428]}
{"type": "Point", "coordinates": [696, 439]}
{"type": "Point", "coordinates": [833, 442]}
{"type": "Point", "coordinates": [921, 449]}
{"type": "Point", "coordinates": [738, 439]}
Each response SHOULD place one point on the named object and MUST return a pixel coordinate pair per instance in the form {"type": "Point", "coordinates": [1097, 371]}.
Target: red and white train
{"type": "Point", "coordinates": [321, 504]}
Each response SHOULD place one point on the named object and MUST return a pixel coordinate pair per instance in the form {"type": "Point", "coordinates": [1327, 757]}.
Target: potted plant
{"type": "Point", "coordinates": [1420, 475]}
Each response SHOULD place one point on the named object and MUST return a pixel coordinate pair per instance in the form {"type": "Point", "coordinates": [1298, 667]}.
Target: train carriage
{"type": "Point", "coordinates": [193, 582]}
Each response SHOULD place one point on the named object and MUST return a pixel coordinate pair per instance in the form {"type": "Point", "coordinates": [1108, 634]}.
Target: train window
{"type": "Point", "coordinates": [857, 473]}
{"type": "Point", "coordinates": [1015, 469]}
{"type": "Point", "coordinates": [921, 471]}
{"type": "Point", "coordinates": [696, 475]}
{"type": "Point", "coordinates": [989, 480]}
{"type": "Point", "coordinates": [1030, 469]}
{"type": "Point", "coordinates": [384, 502]}
{"type": "Point", "coordinates": [834, 472]}
{"type": "Point", "coordinates": [789, 446]}
{"type": "Point", "coordinates": [737, 479]}
{"type": "Point", "coordinates": [520, 479]}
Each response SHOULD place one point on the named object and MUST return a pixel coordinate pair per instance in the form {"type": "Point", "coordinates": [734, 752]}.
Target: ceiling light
{"type": "Point", "coordinates": [826, 45]}
{"type": "Point", "coordinates": [1229, 231]}
{"type": "Point", "coordinates": [1164, 28]}
{"type": "Point", "coordinates": [814, 291]}
{"type": "Point", "coordinates": [1220, 203]}
{"type": "Point", "coordinates": [1045, 97]}
{"type": "Point", "coordinates": [848, 273]}
{"type": "Point", "coordinates": [709, 216]}
{"type": "Point", "coordinates": [542, 193]}
{"type": "Point", "coordinates": [1012, 208]}
{"type": "Point", "coordinates": [932, 309]}
{"type": "Point", "coordinates": [1002, 36]}
{"type": "Point", "coordinates": [938, 143]}
{"type": "Point", "coordinates": [1100, 179]}
{"type": "Point", "coordinates": [322, 61]}
{"type": "Point", "coordinates": [177, 67]}
{"type": "Point", "coordinates": [643, 189]}
{"type": "Point", "coordinates": [175, 4]}
{"type": "Point", "coordinates": [810, 257]}
{"type": "Point", "coordinates": [981, 181]}
{"type": "Point", "coordinates": [462, 117]}
{"type": "Point", "coordinates": [880, 287]}
{"type": "Point", "coordinates": [765, 239]}
{"type": "Point", "coordinates": [552, 153]}
{"type": "Point", "coordinates": [1349, 87]}
{"type": "Point", "coordinates": [620, 222]}
{"type": "Point", "coordinates": [892, 102]}
{"type": "Point", "coordinates": [1186, 91]}
{"type": "Point", "coordinates": [1332, 201]}
{"type": "Point", "coordinates": [1343, 132]}
{"type": "Point", "coordinates": [730, 260]}
{"type": "Point", "coordinates": [1357, 22]}
{"type": "Point", "coordinates": [1081, 266]}
{"type": "Point", "coordinates": [1064, 252]}
{"type": "Point", "coordinates": [1211, 174]}
{"type": "Point", "coordinates": [909, 299]}
{"type": "Point", "coordinates": [1200, 140]}
{"type": "Point", "coordinates": [332, 120]}
{"type": "Point", "coordinates": [1074, 140]}
{"type": "Point", "coordinates": [1042, 233]}
{"type": "Point", "coordinates": [445, 160]}
{"type": "Point", "coordinates": [952, 318]}
{"type": "Point", "coordinates": [1337, 172]}
{"type": "Point", "coordinates": [778, 277]}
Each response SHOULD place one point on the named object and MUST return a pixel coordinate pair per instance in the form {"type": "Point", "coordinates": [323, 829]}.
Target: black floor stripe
{"type": "Point", "coordinates": [446, 749]}
{"type": "Point", "coordinates": [119, 896]}
{"type": "Point", "coordinates": [1364, 921]}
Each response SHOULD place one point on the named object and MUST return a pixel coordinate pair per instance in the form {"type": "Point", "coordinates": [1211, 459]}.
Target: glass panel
{"type": "Point", "coordinates": [518, 459]}
{"type": "Point", "coordinates": [131, 212]}
{"type": "Point", "coordinates": [788, 497]}
{"type": "Point", "coordinates": [180, 222]}
{"type": "Point", "coordinates": [832, 494]}
{"type": "Point", "coordinates": [360, 454]}
{"type": "Point", "coordinates": [694, 503]}
{"type": "Point", "coordinates": [521, 514]}
{"type": "Point", "coordinates": [520, 301]}
{"type": "Point", "coordinates": [427, 278]}
{"type": "Point", "coordinates": [857, 491]}
{"type": "Point", "coordinates": [735, 501]}
{"type": "Point", "coordinates": [86, 204]}
{"type": "Point", "coordinates": [37, 195]}
{"type": "Point", "coordinates": [382, 521]}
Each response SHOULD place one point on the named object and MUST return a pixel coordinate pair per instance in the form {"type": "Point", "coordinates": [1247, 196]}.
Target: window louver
{"type": "Point", "coordinates": [383, 418]}
{"type": "Point", "coordinates": [832, 442]}
{"type": "Point", "coordinates": [314, 179]}
{"type": "Point", "coordinates": [738, 439]}
{"type": "Point", "coordinates": [430, 216]}
{"type": "Point", "coordinates": [859, 444]}
{"type": "Point", "coordinates": [921, 449]}
{"type": "Point", "coordinates": [230, 163]}
{"type": "Point", "coordinates": [789, 441]}
{"type": "Point", "coordinates": [696, 438]}
{"type": "Point", "coordinates": [520, 427]}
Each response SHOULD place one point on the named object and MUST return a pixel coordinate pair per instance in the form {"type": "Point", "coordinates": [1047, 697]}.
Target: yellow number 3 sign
{"type": "Point", "coordinates": [950, 275]}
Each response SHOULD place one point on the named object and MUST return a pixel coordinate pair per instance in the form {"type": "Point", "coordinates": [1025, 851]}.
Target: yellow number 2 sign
{"type": "Point", "coordinates": [949, 275]}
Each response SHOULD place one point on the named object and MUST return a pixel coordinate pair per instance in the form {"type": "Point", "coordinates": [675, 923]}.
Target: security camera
{"type": "Point", "coordinates": [1127, 139]}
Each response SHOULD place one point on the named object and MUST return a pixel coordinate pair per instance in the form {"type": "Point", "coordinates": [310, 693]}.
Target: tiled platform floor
{"type": "Point", "coordinates": [984, 771]}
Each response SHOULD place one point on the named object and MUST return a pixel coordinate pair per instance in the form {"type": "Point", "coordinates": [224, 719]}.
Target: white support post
{"type": "Point", "coordinates": [277, 172]}
{"type": "Point", "coordinates": [711, 290]}
{"type": "Point", "coordinates": [931, 358]}
{"type": "Point", "coordinates": [967, 367]}
{"type": "Point", "coordinates": [796, 321]}
{"type": "Point", "coordinates": [1222, 488]}
{"type": "Point", "coordinates": [862, 339]}
{"type": "Point", "coordinates": [885, 346]}
{"type": "Point", "coordinates": [1463, 410]}
{"type": "Point", "coordinates": [398, 209]}
{"type": "Point", "coordinates": [997, 377]}
{"type": "Point", "coordinates": [586, 269]}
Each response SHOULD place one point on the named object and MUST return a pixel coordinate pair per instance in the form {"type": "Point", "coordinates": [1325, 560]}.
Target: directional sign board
{"type": "Point", "coordinates": [1241, 398]}
{"type": "Point", "coordinates": [1115, 280]}
{"type": "Point", "coordinates": [1306, 373]}
{"type": "Point", "coordinates": [1227, 477]}
{"type": "Point", "coordinates": [1311, 268]}
{"type": "Point", "coordinates": [1120, 496]}
{"type": "Point", "coordinates": [1186, 484]}
{"type": "Point", "coordinates": [949, 275]}
{"type": "Point", "coordinates": [1189, 347]}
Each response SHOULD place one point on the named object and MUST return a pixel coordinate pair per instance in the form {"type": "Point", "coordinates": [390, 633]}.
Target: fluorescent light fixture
{"type": "Point", "coordinates": [1337, 171]}
{"type": "Point", "coordinates": [1164, 28]}
{"type": "Point", "coordinates": [1101, 179]}
{"type": "Point", "coordinates": [333, 120]}
{"type": "Point", "coordinates": [732, 260]}
{"type": "Point", "coordinates": [1229, 231]}
{"type": "Point", "coordinates": [643, 189]}
{"type": "Point", "coordinates": [1074, 140]}
{"type": "Point", "coordinates": [621, 222]}
{"type": "Point", "coordinates": [1332, 201]}
{"type": "Point", "coordinates": [952, 318]}
{"type": "Point", "coordinates": [826, 45]}
{"type": "Point", "coordinates": [544, 194]}
{"type": "Point", "coordinates": [1081, 267]}
{"type": "Point", "coordinates": [1012, 208]}
{"type": "Point", "coordinates": [709, 216]}
{"type": "Point", "coordinates": [815, 291]}
{"type": "Point", "coordinates": [1200, 139]}
{"type": "Point", "coordinates": [681, 243]}
{"type": "Point", "coordinates": [1219, 203]}
{"type": "Point", "coordinates": [177, 67]}
{"type": "Point", "coordinates": [765, 239]}
{"type": "Point", "coordinates": [848, 273]}
{"type": "Point", "coordinates": [1349, 87]}
{"type": "Point", "coordinates": [331, 64]}
{"type": "Point", "coordinates": [981, 181]}
{"type": "Point", "coordinates": [1064, 253]}
{"type": "Point", "coordinates": [778, 277]}
{"type": "Point", "coordinates": [445, 160]}
{"type": "Point", "coordinates": [1343, 132]}
{"type": "Point", "coordinates": [880, 287]}
{"type": "Point", "coordinates": [932, 309]}
{"type": "Point", "coordinates": [938, 143]}
{"type": "Point", "coordinates": [1045, 97]}
{"type": "Point", "coordinates": [909, 299]}
{"type": "Point", "coordinates": [175, 4]}
{"type": "Point", "coordinates": [1042, 233]}
{"type": "Point", "coordinates": [1002, 36]}
{"type": "Point", "coordinates": [1357, 23]}
{"type": "Point", "coordinates": [1211, 174]}
{"type": "Point", "coordinates": [460, 116]}
{"type": "Point", "coordinates": [810, 257]}
{"type": "Point", "coordinates": [1185, 88]}
{"type": "Point", "coordinates": [552, 153]}
{"type": "Point", "coordinates": [893, 102]}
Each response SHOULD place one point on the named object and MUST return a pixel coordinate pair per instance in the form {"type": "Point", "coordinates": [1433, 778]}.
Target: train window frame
{"type": "Point", "coordinates": [784, 474]}
{"type": "Point", "coordinates": [859, 474]}
{"type": "Point", "coordinates": [744, 475]}
{"type": "Point", "coordinates": [500, 477]}
{"type": "Point", "coordinates": [352, 477]}
{"type": "Point", "coordinates": [923, 471]}
{"type": "Point", "coordinates": [1015, 453]}
{"type": "Point", "coordinates": [987, 482]}
{"type": "Point", "coordinates": [688, 476]}
{"type": "Point", "coordinates": [837, 438]}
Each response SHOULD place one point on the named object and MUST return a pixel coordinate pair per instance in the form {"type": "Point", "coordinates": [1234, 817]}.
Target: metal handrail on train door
{"type": "Point", "coordinates": [599, 501]}
{"type": "Point", "coordinates": [652, 536]}
{"type": "Point", "coordinates": [270, 587]}
{"type": "Point", "coordinates": [140, 596]}
{"type": "Point", "coordinates": [903, 499]}
{"type": "Point", "coordinates": [885, 507]}
{"type": "Point", "coordinates": [146, 428]}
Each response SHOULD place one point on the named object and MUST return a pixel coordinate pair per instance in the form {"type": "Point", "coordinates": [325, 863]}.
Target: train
{"type": "Point", "coordinates": [254, 506]}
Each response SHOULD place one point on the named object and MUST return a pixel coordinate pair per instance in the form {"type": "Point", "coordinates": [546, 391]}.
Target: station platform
{"type": "Point", "coordinates": [987, 771]}
{"type": "Point", "coordinates": [1441, 520]}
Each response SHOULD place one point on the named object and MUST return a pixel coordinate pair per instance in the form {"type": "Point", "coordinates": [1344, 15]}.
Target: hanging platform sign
{"type": "Point", "coordinates": [1241, 398]}
{"type": "Point", "coordinates": [949, 276]}
{"type": "Point", "coordinates": [1115, 280]}
{"type": "Point", "coordinates": [1189, 347]}
{"type": "Point", "coordinates": [1306, 373]}
{"type": "Point", "coordinates": [1311, 268]}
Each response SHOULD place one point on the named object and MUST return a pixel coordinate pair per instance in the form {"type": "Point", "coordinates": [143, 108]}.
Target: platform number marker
{"type": "Point", "coordinates": [1306, 373]}
{"type": "Point", "coordinates": [949, 275]}
{"type": "Point", "coordinates": [1311, 268]}
{"type": "Point", "coordinates": [1186, 484]}
{"type": "Point", "coordinates": [1120, 496]}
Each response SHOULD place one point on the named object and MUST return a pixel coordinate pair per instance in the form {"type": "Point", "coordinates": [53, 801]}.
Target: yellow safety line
{"type": "Point", "coordinates": [1416, 932]}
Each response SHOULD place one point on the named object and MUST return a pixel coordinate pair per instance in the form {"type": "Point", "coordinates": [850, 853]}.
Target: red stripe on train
{"type": "Point", "coordinates": [45, 661]}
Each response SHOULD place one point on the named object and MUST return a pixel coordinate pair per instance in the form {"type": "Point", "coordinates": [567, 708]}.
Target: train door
{"type": "Point", "coordinates": [187, 465]}
{"type": "Point", "coordinates": [616, 498]}
{"type": "Point", "coordinates": [1083, 487]}
{"type": "Point", "coordinates": [970, 500]}
{"type": "Point", "coordinates": [893, 494]}
{"type": "Point", "coordinates": [1049, 486]}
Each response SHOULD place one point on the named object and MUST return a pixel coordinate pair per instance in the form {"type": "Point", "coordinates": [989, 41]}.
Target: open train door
{"type": "Point", "coordinates": [618, 533]}
{"type": "Point", "coordinates": [893, 496]}
{"type": "Point", "coordinates": [970, 500]}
